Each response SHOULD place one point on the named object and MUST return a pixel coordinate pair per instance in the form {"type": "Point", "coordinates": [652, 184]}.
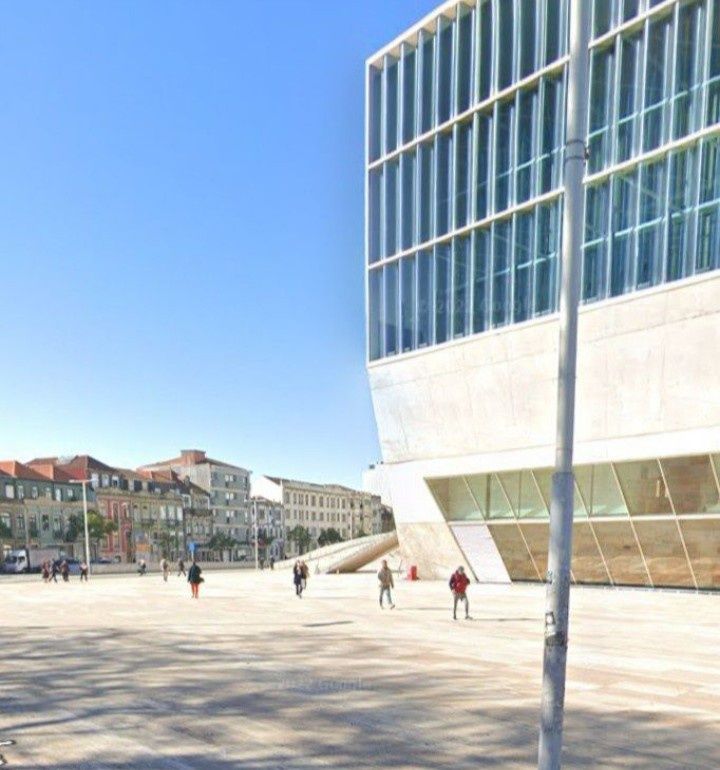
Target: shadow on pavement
{"type": "Point", "coordinates": [108, 692]}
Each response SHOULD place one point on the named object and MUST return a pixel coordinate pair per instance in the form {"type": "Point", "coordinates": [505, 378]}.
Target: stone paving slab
{"type": "Point", "coordinates": [130, 672]}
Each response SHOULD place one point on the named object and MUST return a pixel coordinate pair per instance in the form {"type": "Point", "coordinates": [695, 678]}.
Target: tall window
{"type": "Point", "coordinates": [482, 172]}
{"type": "Point", "coordinates": [464, 57]}
{"type": "Point", "coordinates": [442, 292]}
{"type": "Point", "coordinates": [463, 165]}
{"type": "Point", "coordinates": [461, 286]}
{"type": "Point", "coordinates": [502, 233]}
{"type": "Point", "coordinates": [686, 98]}
{"type": "Point", "coordinates": [503, 154]}
{"type": "Point", "coordinates": [656, 97]}
{"type": "Point", "coordinates": [391, 103]}
{"type": "Point", "coordinates": [506, 47]}
{"type": "Point", "coordinates": [708, 238]}
{"type": "Point", "coordinates": [548, 246]}
{"type": "Point", "coordinates": [596, 213]}
{"type": "Point", "coordinates": [407, 303]}
{"type": "Point", "coordinates": [481, 279]}
{"type": "Point", "coordinates": [408, 93]}
{"type": "Point", "coordinates": [425, 284]}
{"type": "Point", "coordinates": [524, 253]}
{"type": "Point", "coordinates": [623, 223]}
{"type": "Point", "coordinates": [391, 309]}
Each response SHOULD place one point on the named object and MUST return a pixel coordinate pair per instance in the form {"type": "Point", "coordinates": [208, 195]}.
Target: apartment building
{"type": "Point", "coordinates": [321, 507]}
{"type": "Point", "coordinates": [228, 487]}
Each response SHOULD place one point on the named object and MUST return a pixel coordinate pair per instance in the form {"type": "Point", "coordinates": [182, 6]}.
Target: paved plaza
{"type": "Point", "coordinates": [129, 672]}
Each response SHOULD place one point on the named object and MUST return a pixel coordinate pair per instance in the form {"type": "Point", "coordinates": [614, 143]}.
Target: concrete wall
{"type": "Point", "coordinates": [648, 374]}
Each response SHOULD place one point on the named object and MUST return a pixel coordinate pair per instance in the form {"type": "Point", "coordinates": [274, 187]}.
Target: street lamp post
{"type": "Point", "coordinates": [255, 524]}
{"type": "Point", "coordinates": [84, 483]}
{"type": "Point", "coordinates": [557, 603]}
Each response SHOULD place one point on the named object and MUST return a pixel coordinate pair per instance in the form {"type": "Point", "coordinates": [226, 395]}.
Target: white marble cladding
{"type": "Point", "coordinates": [648, 385]}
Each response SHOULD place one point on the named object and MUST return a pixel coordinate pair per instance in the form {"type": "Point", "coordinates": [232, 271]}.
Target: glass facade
{"type": "Point", "coordinates": [465, 145]}
{"type": "Point", "coordinates": [652, 522]}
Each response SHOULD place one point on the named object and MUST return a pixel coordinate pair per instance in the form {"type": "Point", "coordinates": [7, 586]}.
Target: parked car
{"type": "Point", "coordinates": [103, 560]}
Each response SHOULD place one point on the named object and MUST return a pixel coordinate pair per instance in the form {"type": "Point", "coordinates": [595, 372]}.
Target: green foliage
{"type": "Point", "coordinates": [74, 531]}
{"type": "Point", "coordinates": [222, 542]}
{"type": "Point", "coordinates": [99, 527]}
{"type": "Point", "coordinates": [301, 537]}
{"type": "Point", "coordinates": [329, 536]}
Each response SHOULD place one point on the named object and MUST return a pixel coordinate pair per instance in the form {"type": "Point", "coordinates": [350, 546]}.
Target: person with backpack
{"type": "Point", "coordinates": [195, 579]}
{"type": "Point", "coordinates": [458, 585]}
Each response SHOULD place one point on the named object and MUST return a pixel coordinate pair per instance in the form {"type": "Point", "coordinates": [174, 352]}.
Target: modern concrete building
{"type": "Point", "coordinates": [321, 507]}
{"type": "Point", "coordinates": [229, 489]}
{"type": "Point", "coordinates": [465, 123]}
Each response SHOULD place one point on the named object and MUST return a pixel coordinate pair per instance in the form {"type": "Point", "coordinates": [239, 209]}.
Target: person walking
{"type": "Point", "coordinates": [272, 562]}
{"type": "Point", "coordinates": [181, 567]}
{"type": "Point", "coordinates": [142, 567]}
{"type": "Point", "coordinates": [298, 579]}
{"type": "Point", "coordinates": [194, 578]}
{"type": "Point", "coordinates": [305, 572]}
{"type": "Point", "coordinates": [458, 585]}
{"type": "Point", "coordinates": [54, 569]}
{"type": "Point", "coordinates": [165, 567]}
{"type": "Point", "coordinates": [65, 571]}
{"type": "Point", "coordinates": [84, 571]}
{"type": "Point", "coordinates": [46, 572]}
{"type": "Point", "coordinates": [385, 577]}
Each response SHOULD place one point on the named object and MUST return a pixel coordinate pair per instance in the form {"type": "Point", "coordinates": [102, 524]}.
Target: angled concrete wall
{"type": "Point", "coordinates": [648, 374]}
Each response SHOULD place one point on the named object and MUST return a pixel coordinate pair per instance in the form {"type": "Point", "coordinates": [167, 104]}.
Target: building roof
{"type": "Point", "coordinates": [337, 488]}
{"type": "Point", "coordinates": [53, 472]}
{"type": "Point", "coordinates": [78, 466]}
{"type": "Point", "coordinates": [189, 458]}
{"type": "Point", "coordinates": [21, 471]}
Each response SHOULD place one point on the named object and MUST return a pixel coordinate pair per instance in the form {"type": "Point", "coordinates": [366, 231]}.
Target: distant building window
{"type": "Point", "coordinates": [58, 495]}
{"type": "Point", "coordinates": [9, 491]}
{"type": "Point", "coordinates": [20, 492]}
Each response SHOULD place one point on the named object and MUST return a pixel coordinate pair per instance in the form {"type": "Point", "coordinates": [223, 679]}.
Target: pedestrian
{"type": "Point", "coordinates": [272, 562]}
{"type": "Point", "coordinates": [142, 567]}
{"type": "Point", "coordinates": [298, 578]}
{"type": "Point", "coordinates": [305, 571]}
{"type": "Point", "coordinates": [65, 571]}
{"type": "Point", "coordinates": [194, 578]}
{"type": "Point", "coordinates": [458, 585]}
{"type": "Point", "coordinates": [84, 572]}
{"type": "Point", "coordinates": [385, 577]}
{"type": "Point", "coordinates": [54, 569]}
{"type": "Point", "coordinates": [165, 567]}
{"type": "Point", "coordinates": [46, 572]}
{"type": "Point", "coordinates": [181, 567]}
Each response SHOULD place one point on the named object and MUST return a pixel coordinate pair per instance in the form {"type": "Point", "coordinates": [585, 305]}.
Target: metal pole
{"type": "Point", "coordinates": [85, 520]}
{"type": "Point", "coordinates": [557, 601]}
{"type": "Point", "coordinates": [256, 533]}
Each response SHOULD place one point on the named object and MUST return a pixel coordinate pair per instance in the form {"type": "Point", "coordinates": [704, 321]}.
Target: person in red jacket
{"type": "Point", "coordinates": [458, 585]}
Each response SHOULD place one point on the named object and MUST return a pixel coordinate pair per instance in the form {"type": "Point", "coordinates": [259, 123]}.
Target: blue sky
{"type": "Point", "coordinates": [181, 230]}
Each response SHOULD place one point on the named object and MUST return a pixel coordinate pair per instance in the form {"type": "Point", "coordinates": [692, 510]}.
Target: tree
{"type": "Point", "coordinates": [74, 531]}
{"type": "Point", "coordinates": [301, 537]}
{"type": "Point", "coordinates": [221, 542]}
{"type": "Point", "coordinates": [330, 536]}
{"type": "Point", "coordinates": [98, 529]}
